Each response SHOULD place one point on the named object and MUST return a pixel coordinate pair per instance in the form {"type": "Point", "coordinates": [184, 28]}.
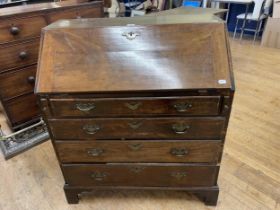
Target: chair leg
{"type": "Point", "coordinates": [259, 29]}
{"type": "Point", "coordinates": [256, 31]}
{"type": "Point", "coordinates": [236, 24]}
{"type": "Point", "coordinates": [242, 29]}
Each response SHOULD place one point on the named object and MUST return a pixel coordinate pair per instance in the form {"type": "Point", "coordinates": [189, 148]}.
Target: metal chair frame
{"type": "Point", "coordinates": [258, 26]}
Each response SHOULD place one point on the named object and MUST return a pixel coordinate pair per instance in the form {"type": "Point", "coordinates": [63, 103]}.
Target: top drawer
{"type": "Point", "coordinates": [89, 12]}
{"type": "Point", "coordinates": [17, 29]}
{"type": "Point", "coordinates": [192, 105]}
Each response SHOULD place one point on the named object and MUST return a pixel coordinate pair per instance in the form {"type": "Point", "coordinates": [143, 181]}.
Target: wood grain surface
{"type": "Point", "coordinates": [91, 107]}
{"type": "Point", "coordinates": [139, 151]}
{"type": "Point", "coordinates": [138, 128]}
{"type": "Point", "coordinates": [91, 57]}
{"type": "Point", "coordinates": [17, 83]}
{"type": "Point", "coordinates": [249, 175]}
{"type": "Point", "coordinates": [19, 55]}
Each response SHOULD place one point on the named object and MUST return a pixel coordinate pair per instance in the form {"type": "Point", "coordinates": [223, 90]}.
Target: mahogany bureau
{"type": "Point", "coordinates": [137, 103]}
{"type": "Point", "coordinates": [20, 29]}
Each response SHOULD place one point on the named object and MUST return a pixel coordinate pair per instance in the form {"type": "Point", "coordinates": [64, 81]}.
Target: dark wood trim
{"type": "Point", "coordinates": [209, 195]}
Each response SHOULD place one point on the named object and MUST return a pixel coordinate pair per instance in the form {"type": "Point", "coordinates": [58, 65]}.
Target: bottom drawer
{"type": "Point", "coordinates": [22, 109]}
{"type": "Point", "coordinates": [146, 175]}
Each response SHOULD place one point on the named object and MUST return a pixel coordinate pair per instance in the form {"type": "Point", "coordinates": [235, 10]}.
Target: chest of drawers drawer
{"type": "Point", "coordinates": [139, 151]}
{"type": "Point", "coordinates": [15, 107]}
{"type": "Point", "coordinates": [207, 105]}
{"type": "Point", "coordinates": [18, 82]}
{"type": "Point", "coordinates": [75, 13]}
{"type": "Point", "coordinates": [19, 55]}
{"type": "Point", "coordinates": [138, 128]}
{"type": "Point", "coordinates": [149, 175]}
{"type": "Point", "coordinates": [13, 29]}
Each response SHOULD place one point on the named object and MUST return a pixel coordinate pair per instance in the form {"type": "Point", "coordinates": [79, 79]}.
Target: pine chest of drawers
{"type": "Point", "coordinates": [20, 29]}
{"type": "Point", "coordinates": [137, 103]}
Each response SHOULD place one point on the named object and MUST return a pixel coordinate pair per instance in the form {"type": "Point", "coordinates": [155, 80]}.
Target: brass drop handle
{"type": "Point", "coordinates": [14, 30]}
{"type": "Point", "coordinates": [182, 107]}
{"type": "Point", "coordinates": [98, 176]}
{"type": "Point", "coordinates": [91, 129]}
{"type": "Point", "coordinates": [95, 152]}
{"type": "Point", "coordinates": [31, 79]}
{"type": "Point", "coordinates": [179, 152]}
{"type": "Point", "coordinates": [23, 55]}
{"type": "Point", "coordinates": [178, 175]}
{"type": "Point", "coordinates": [85, 107]}
{"type": "Point", "coordinates": [180, 128]}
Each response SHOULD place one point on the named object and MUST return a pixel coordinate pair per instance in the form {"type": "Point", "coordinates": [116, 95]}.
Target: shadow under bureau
{"type": "Point", "coordinates": [137, 103]}
{"type": "Point", "coordinates": [20, 29]}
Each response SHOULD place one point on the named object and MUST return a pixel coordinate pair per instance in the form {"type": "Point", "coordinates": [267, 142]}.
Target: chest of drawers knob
{"type": "Point", "coordinates": [179, 152]}
{"type": "Point", "coordinates": [180, 128]}
{"type": "Point", "coordinates": [95, 152]}
{"type": "Point", "coordinates": [23, 55]}
{"type": "Point", "coordinates": [31, 79]}
{"type": "Point", "coordinates": [133, 105]}
{"type": "Point", "coordinates": [135, 147]}
{"type": "Point", "coordinates": [14, 30]}
{"type": "Point", "coordinates": [91, 129]}
{"type": "Point", "coordinates": [134, 125]}
{"type": "Point", "coordinates": [98, 176]}
{"type": "Point", "coordinates": [178, 175]}
{"type": "Point", "coordinates": [85, 107]}
{"type": "Point", "coordinates": [182, 107]}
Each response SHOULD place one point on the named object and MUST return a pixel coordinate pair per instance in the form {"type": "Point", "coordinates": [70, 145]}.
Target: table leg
{"type": "Point", "coordinates": [244, 21]}
{"type": "Point", "coordinates": [227, 12]}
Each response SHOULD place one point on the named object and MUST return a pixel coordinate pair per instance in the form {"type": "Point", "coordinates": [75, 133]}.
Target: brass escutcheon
{"type": "Point", "coordinates": [130, 35]}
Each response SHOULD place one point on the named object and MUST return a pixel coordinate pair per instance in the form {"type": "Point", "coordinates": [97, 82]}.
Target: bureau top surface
{"type": "Point", "coordinates": [151, 53]}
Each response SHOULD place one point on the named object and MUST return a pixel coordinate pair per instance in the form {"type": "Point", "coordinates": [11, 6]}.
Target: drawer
{"type": "Point", "coordinates": [192, 105]}
{"type": "Point", "coordinates": [17, 83]}
{"type": "Point", "coordinates": [146, 175]}
{"type": "Point", "coordinates": [139, 151]}
{"type": "Point", "coordinates": [18, 55]}
{"type": "Point", "coordinates": [22, 109]}
{"type": "Point", "coordinates": [76, 13]}
{"type": "Point", "coordinates": [138, 128]}
{"type": "Point", "coordinates": [21, 28]}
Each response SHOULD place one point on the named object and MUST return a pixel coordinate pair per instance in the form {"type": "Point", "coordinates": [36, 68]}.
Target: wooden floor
{"type": "Point", "coordinates": [250, 169]}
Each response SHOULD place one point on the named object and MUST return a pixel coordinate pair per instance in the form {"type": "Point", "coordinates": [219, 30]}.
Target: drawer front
{"type": "Point", "coordinates": [19, 55]}
{"type": "Point", "coordinates": [16, 83]}
{"type": "Point", "coordinates": [138, 128]}
{"type": "Point", "coordinates": [22, 109]}
{"type": "Point", "coordinates": [21, 28]}
{"type": "Point", "coordinates": [147, 175]}
{"type": "Point", "coordinates": [76, 13]}
{"type": "Point", "coordinates": [136, 106]}
{"type": "Point", "coordinates": [139, 151]}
